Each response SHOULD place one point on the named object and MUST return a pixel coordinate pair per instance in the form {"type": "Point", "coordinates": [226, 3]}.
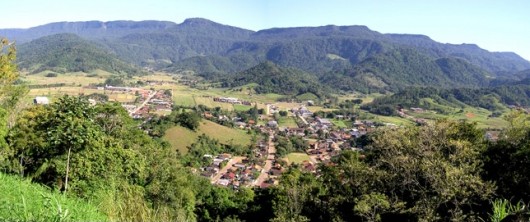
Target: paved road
{"type": "Point", "coordinates": [271, 151]}
{"type": "Point", "coordinates": [221, 172]}
{"type": "Point", "coordinates": [145, 102]}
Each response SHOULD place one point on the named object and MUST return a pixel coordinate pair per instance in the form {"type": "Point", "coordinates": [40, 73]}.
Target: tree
{"type": "Point", "coordinates": [9, 95]}
{"type": "Point", "coordinates": [8, 68]}
{"type": "Point", "coordinates": [371, 205]}
{"type": "Point", "coordinates": [293, 196]}
{"type": "Point", "coordinates": [433, 169]}
{"type": "Point", "coordinates": [189, 120]}
{"type": "Point", "coordinates": [507, 161]}
{"type": "Point", "coordinates": [59, 129]}
{"type": "Point", "coordinates": [417, 173]}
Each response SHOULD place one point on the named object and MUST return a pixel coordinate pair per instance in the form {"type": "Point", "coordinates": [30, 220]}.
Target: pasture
{"type": "Point", "coordinates": [296, 158]}
{"type": "Point", "coordinates": [180, 138]}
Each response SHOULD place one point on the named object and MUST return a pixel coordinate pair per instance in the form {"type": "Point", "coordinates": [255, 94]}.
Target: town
{"type": "Point", "coordinates": [322, 140]}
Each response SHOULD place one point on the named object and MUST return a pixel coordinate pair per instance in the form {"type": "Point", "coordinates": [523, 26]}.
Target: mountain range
{"type": "Point", "coordinates": [345, 57]}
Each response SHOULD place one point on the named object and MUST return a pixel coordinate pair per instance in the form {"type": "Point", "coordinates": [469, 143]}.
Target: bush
{"type": "Point", "coordinates": [51, 74]}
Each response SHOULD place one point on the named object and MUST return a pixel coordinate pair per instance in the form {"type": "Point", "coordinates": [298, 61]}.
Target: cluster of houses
{"type": "Point", "coordinates": [162, 101]}
{"type": "Point", "coordinates": [149, 103]}
{"type": "Point", "coordinates": [235, 172]}
{"type": "Point", "coordinates": [231, 100]}
{"type": "Point", "coordinates": [121, 89]}
{"type": "Point", "coordinates": [324, 141]}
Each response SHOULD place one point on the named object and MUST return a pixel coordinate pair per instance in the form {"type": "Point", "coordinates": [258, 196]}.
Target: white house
{"type": "Point", "coordinates": [41, 100]}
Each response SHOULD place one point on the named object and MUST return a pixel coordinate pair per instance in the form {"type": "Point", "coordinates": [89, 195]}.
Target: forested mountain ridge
{"type": "Point", "coordinates": [88, 29]}
{"type": "Point", "coordinates": [70, 53]}
{"type": "Point", "coordinates": [349, 52]}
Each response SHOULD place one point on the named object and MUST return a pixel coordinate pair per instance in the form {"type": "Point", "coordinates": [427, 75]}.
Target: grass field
{"type": "Point", "coordinates": [394, 120]}
{"type": "Point", "coordinates": [59, 91]}
{"type": "Point", "coordinates": [180, 138]}
{"type": "Point", "coordinates": [296, 158]}
{"type": "Point", "coordinates": [471, 114]}
{"type": "Point", "coordinates": [339, 123]}
{"type": "Point", "coordinates": [238, 107]}
{"type": "Point", "coordinates": [287, 122]}
{"type": "Point", "coordinates": [208, 101]}
{"type": "Point", "coordinates": [22, 200]}
{"type": "Point", "coordinates": [366, 98]}
{"type": "Point", "coordinates": [77, 78]}
{"type": "Point", "coordinates": [307, 96]}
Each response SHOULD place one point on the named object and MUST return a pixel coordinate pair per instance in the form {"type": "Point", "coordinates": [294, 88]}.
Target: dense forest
{"type": "Point", "coordinates": [273, 79]}
{"type": "Point", "coordinates": [64, 53]}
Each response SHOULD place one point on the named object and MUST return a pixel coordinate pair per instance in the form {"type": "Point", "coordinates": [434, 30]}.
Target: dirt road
{"type": "Point", "coordinates": [271, 151]}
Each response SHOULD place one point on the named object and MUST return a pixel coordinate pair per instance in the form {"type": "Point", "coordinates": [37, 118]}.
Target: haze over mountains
{"type": "Point", "coordinates": [347, 57]}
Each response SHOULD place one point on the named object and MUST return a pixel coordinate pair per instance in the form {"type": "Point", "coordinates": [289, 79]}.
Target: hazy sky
{"type": "Point", "coordinates": [494, 25]}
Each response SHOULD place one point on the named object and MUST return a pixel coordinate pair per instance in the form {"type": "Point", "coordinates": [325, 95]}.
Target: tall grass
{"type": "Point", "coordinates": [21, 200]}
{"type": "Point", "coordinates": [503, 208]}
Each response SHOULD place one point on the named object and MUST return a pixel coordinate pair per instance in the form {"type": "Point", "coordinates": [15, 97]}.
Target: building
{"type": "Point", "coordinates": [324, 122]}
{"type": "Point", "coordinates": [272, 124]}
{"type": "Point", "coordinates": [41, 100]}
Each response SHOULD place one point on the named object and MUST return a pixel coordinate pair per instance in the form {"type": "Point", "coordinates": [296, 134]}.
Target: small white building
{"type": "Point", "coordinates": [41, 100]}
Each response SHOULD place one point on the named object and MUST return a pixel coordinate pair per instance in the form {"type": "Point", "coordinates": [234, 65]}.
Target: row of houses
{"type": "Point", "coordinates": [231, 100]}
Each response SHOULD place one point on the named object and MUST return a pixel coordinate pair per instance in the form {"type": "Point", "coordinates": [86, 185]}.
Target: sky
{"type": "Point", "coordinates": [494, 25]}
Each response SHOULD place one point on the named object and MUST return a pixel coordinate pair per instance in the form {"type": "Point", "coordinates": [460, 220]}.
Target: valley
{"type": "Point", "coordinates": [202, 121]}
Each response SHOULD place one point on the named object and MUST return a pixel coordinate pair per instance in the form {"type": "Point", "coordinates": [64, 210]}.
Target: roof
{"type": "Point", "coordinates": [323, 121]}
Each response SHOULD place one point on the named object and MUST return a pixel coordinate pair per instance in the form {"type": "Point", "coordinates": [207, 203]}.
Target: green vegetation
{"type": "Point", "coordinates": [22, 200]}
{"type": "Point", "coordinates": [181, 138]}
{"type": "Point", "coordinates": [339, 123]}
{"type": "Point", "coordinates": [297, 158]}
{"type": "Point", "coordinates": [69, 53]}
{"type": "Point", "coordinates": [286, 145]}
{"type": "Point", "coordinates": [242, 108]}
{"type": "Point", "coordinates": [273, 79]}
{"type": "Point", "coordinates": [444, 101]}
{"type": "Point", "coordinates": [287, 122]}
{"type": "Point", "coordinates": [96, 153]}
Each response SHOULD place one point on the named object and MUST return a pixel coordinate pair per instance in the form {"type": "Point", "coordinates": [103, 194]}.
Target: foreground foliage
{"type": "Point", "coordinates": [22, 200]}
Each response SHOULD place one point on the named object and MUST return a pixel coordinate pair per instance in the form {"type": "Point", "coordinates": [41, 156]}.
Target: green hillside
{"type": "Point", "coordinates": [404, 67]}
{"type": "Point", "coordinates": [441, 100]}
{"type": "Point", "coordinates": [69, 53]}
{"type": "Point", "coordinates": [271, 78]}
{"type": "Point", "coordinates": [22, 200]}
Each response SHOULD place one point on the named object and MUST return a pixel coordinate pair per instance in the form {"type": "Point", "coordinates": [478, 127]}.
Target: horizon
{"type": "Point", "coordinates": [493, 26]}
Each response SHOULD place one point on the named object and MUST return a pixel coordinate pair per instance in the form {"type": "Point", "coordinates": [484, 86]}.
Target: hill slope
{"type": "Point", "coordinates": [274, 79]}
{"type": "Point", "coordinates": [492, 99]}
{"type": "Point", "coordinates": [69, 53]}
